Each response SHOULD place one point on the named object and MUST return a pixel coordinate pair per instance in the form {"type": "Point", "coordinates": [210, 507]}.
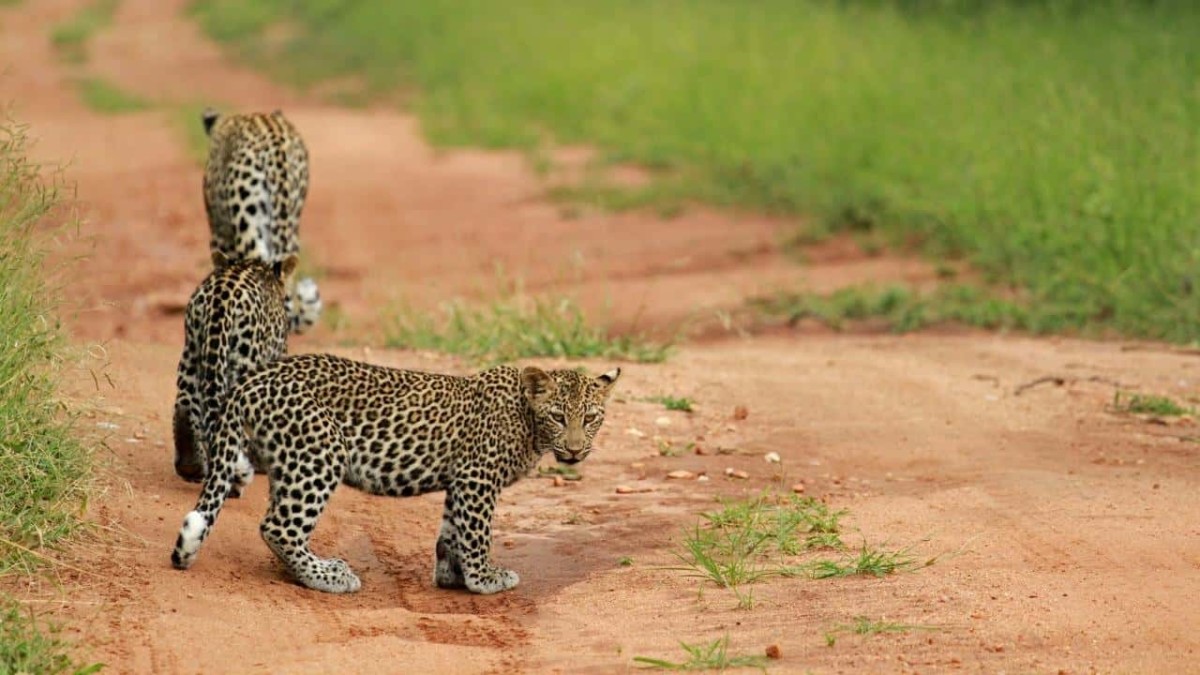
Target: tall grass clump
{"type": "Point", "coordinates": [1052, 143]}
{"type": "Point", "coordinates": [43, 468]}
{"type": "Point", "coordinates": [509, 329]}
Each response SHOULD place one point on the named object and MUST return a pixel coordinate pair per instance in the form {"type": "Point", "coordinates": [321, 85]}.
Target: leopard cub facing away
{"type": "Point", "coordinates": [235, 323]}
{"type": "Point", "coordinates": [255, 186]}
{"type": "Point", "coordinates": [315, 420]}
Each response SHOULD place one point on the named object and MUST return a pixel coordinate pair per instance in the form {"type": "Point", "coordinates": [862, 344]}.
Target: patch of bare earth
{"type": "Point", "coordinates": [1066, 534]}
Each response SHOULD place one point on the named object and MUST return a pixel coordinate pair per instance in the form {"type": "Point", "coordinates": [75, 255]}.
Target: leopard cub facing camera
{"type": "Point", "coordinates": [313, 421]}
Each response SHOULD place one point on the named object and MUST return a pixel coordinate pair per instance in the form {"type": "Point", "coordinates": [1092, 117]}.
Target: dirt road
{"type": "Point", "coordinates": [1066, 535]}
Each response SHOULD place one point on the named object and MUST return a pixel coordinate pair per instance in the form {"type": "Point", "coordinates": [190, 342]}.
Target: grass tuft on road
{"type": "Point", "coordinates": [510, 329]}
{"type": "Point", "coordinates": [751, 540]}
{"type": "Point", "coordinates": [704, 656]}
{"type": "Point", "coordinates": [106, 98]}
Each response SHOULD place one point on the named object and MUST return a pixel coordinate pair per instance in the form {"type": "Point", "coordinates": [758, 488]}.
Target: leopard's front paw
{"type": "Point", "coordinates": [493, 580]}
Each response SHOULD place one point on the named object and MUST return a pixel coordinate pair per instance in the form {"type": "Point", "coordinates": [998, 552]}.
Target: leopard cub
{"type": "Point", "coordinates": [235, 323]}
{"type": "Point", "coordinates": [314, 421]}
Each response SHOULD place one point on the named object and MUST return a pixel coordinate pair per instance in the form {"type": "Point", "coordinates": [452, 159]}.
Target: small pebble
{"type": "Point", "coordinates": [740, 412]}
{"type": "Point", "coordinates": [681, 475]}
{"type": "Point", "coordinates": [559, 482]}
{"type": "Point", "coordinates": [626, 490]}
{"type": "Point", "coordinates": [736, 473]}
{"type": "Point", "coordinates": [773, 652]}
{"type": "Point", "coordinates": [636, 433]}
{"type": "Point", "coordinates": [772, 457]}
{"type": "Point", "coordinates": [702, 478]}
{"type": "Point", "coordinates": [662, 422]}
{"type": "Point", "coordinates": [798, 488]}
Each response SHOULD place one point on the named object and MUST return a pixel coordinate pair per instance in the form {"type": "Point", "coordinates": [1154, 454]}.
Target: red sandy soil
{"type": "Point", "coordinates": [1066, 535]}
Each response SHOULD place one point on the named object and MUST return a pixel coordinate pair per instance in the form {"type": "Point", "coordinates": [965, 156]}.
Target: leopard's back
{"type": "Point", "coordinates": [255, 185]}
{"type": "Point", "coordinates": [235, 323]}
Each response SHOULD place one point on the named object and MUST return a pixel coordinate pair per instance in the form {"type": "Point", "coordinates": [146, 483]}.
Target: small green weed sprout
{"type": "Point", "coordinates": [1149, 404]}
{"type": "Point", "coordinates": [862, 625]}
{"type": "Point", "coordinates": [701, 656]}
{"type": "Point", "coordinates": [679, 403]}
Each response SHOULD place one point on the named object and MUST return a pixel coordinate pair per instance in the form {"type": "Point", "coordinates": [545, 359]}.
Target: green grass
{"type": "Point", "coordinates": [28, 646]}
{"type": "Point", "coordinates": [711, 656]}
{"type": "Point", "coordinates": [902, 309]}
{"type": "Point", "coordinates": [509, 329]}
{"type": "Point", "coordinates": [747, 541]}
{"type": "Point", "coordinates": [1149, 404]}
{"type": "Point", "coordinates": [44, 470]}
{"type": "Point", "coordinates": [679, 403]}
{"type": "Point", "coordinates": [1050, 143]}
{"type": "Point", "coordinates": [106, 98]}
{"type": "Point", "coordinates": [868, 561]}
{"type": "Point", "coordinates": [866, 626]}
{"type": "Point", "coordinates": [70, 38]}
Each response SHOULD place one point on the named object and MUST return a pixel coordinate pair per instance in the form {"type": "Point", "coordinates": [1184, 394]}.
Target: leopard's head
{"type": "Point", "coordinates": [568, 409]}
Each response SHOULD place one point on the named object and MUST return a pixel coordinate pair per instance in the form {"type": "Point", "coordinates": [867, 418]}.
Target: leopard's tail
{"type": "Point", "coordinates": [229, 470]}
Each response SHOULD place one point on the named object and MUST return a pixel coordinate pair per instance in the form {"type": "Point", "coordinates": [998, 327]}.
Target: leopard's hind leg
{"type": "Point", "coordinates": [304, 470]}
{"type": "Point", "coordinates": [228, 469]}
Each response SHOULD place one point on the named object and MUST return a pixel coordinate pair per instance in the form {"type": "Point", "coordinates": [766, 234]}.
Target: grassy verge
{"type": "Point", "coordinates": [70, 38]}
{"type": "Point", "coordinates": [28, 646]}
{"type": "Point", "coordinates": [509, 329]}
{"type": "Point", "coordinates": [1050, 142]}
{"type": "Point", "coordinates": [43, 468]}
{"type": "Point", "coordinates": [903, 309]}
{"type": "Point", "coordinates": [106, 98]}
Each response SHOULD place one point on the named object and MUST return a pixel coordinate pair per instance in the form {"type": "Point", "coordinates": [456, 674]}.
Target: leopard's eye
{"type": "Point", "coordinates": [558, 417]}
{"type": "Point", "coordinates": [590, 417]}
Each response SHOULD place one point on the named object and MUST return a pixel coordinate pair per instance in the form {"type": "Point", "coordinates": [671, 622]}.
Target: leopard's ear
{"type": "Point", "coordinates": [219, 260]}
{"type": "Point", "coordinates": [286, 267]}
{"type": "Point", "coordinates": [209, 118]}
{"type": "Point", "coordinates": [607, 380]}
{"type": "Point", "coordinates": [537, 385]}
